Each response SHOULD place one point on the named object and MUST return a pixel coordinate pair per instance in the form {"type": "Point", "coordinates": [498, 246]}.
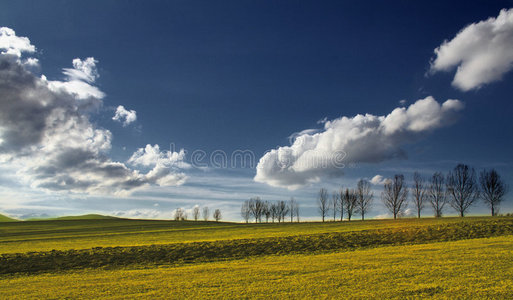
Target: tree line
{"type": "Point", "coordinates": [260, 211]}
{"type": "Point", "coordinates": [461, 188]}
{"type": "Point", "coordinates": [346, 202]}
{"type": "Point", "coordinates": [181, 215]}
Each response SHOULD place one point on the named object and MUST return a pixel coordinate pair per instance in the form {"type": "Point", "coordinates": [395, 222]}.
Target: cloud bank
{"type": "Point", "coordinates": [359, 139]}
{"type": "Point", "coordinates": [482, 52]}
{"type": "Point", "coordinates": [46, 134]}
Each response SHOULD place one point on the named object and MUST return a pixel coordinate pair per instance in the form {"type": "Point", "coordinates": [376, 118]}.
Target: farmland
{"type": "Point", "coordinates": [379, 258]}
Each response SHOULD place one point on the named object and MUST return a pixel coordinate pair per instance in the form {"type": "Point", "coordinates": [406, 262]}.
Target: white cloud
{"type": "Point", "coordinates": [383, 216]}
{"type": "Point", "coordinates": [83, 70]}
{"type": "Point", "coordinates": [144, 214]}
{"type": "Point", "coordinates": [359, 139]}
{"type": "Point", "coordinates": [166, 165]}
{"type": "Point", "coordinates": [47, 137]}
{"type": "Point", "coordinates": [79, 80]}
{"type": "Point", "coordinates": [124, 116]}
{"type": "Point", "coordinates": [379, 180]}
{"type": "Point", "coordinates": [151, 155]}
{"type": "Point", "coordinates": [483, 52]}
{"type": "Point", "coordinates": [12, 45]}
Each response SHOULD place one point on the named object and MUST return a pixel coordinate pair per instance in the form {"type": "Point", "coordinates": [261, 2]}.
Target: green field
{"type": "Point", "coordinates": [6, 219]}
{"type": "Point", "coordinates": [118, 258]}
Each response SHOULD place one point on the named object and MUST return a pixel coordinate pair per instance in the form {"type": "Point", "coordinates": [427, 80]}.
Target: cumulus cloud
{"type": "Point", "coordinates": [124, 116]}
{"type": "Point", "coordinates": [379, 180]}
{"type": "Point", "coordinates": [482, 52]}
{"type": "Point", "coordinates": [46, 134]}
{"type": "Point", "coordinates": [12, 45]}
{"type": "Point", "coordinates": [359, 139]}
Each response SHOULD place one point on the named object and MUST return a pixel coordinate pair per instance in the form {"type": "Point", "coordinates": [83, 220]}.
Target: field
{"type": "Point", "coordinates": [116, 258]}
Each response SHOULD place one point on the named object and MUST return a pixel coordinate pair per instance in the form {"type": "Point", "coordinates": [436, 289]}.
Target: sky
{"type": "Point", "coordinates": [137, 108]}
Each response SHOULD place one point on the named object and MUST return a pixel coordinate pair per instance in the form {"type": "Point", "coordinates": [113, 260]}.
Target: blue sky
{"type": "Point", "coordinates": [248, 75]}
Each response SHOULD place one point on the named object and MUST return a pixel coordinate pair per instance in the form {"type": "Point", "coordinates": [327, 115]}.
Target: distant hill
{"type": "Point", "coordinates": [7, 219]}
{"type": "Point", "coordinates": [85, 217]}
{"type": "Point", "coordinates": [81, 217]}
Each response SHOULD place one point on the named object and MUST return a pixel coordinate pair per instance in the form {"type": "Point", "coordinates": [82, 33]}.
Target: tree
{"type": "Point", "coordinates": [267, 211]}
{"type": "Point", "coordinates": [323, 203]}
{"type": "Point", "coordinates": [244, 211]}
{"type": "Point", "coordinates": [196, 213]}
{"type": "Point", "coordinates": [217, 215]}
{"type": "Point", "coordinates": [419, 192]}
{"type": "Point", "coordinates": [180, 215]}
{"type": "Point", "coordinates": [364, 197]}
{"type": "Point", "coordinates": [283, 210]}
{"type": "Point", "coordinates": [292, 205]}
{"type": "Point", "coordinates": [462, 187]}
{"type": "Point", "coordinates": [206, 213]}
{"type": "Point", "coordinates": [493, 189]}
{"type": "Point", "coordinates": [274, 211]}
{"type": "Point", "coordinates": [341, 204]}
{"type": "Point", "coordinates": [350, 202]}
{"type": "Point", "coordinates": [436, 193]}
{"type": "Point", "coordinates": [296, 211]}
{"type": "Point", "coordinates": [256, 207]}
{"type": "Point", "coordinates": [334, 204]}
{"type": "Point", "coordinates": [395, 195]}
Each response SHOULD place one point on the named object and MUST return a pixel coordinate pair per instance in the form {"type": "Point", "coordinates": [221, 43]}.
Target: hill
{"type": "Point", "coordinates": [80, 217]}
{"type": "Point", "coordinates": [4, 218]}
{"type": "Point", "coordinates": [86, 217]}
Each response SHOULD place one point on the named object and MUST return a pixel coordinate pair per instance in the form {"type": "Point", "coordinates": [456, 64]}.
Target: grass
{"type": "Point", "coordinates": [6, 219]}
{"type": "Point", "coordinates": [479, 268]}
{"type": "Point", "coordinates": [46, 235]}
{"type": "Point", "coordinates": [244, 248]}
{"type": "Point", "coordinates": [118, 258]}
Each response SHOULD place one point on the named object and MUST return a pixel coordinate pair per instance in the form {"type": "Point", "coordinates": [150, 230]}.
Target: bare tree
{"type": "Point", "coordinates": [267, 211]}
{"type": "Point", "coordinates": [334, 204]}
{"type": "Point", "coordinates": [341, 204]}
{"type": "Point", "coordinates": [245, 212]}
{"type": "Point", "coordinates": [296, 211]}
{"type": "Point", "coordinates": [206, 213]}
{"type": "Point", "coordinates": [364, 197]}
{"type": "Point", "coordinates": [196, 213]}
{"type": "Point", "coordinates": [419, 192]}
{"type": "Point", "coordinates": [180, 215]}
{"type": "Point", "coordinates": [292, 205]}
{"type": "Point", "coordinates": [274, 211]}
{"type": "Point", "coordinates": [256, 207]}
{"type": "Point", "coordinates": [283, 210]}
{"type": "Point", "coordinates": [462, 187]}
{"type": "Point", "coordinates": [437, 194]}
{"type": "Point", "coordinates": [217, 215]}
{"type": "Point", "coordinates": [323, 203]}
{"type": "Point", "coordinates": [395, 195]}
{"type": "Point", "coordinates": [350, 202]}
{"type": "Point", "coordinates": [493, 189]}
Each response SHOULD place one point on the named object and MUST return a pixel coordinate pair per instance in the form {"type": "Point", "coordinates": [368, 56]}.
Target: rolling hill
{"type": "Point", "coordinates": [4, 218]}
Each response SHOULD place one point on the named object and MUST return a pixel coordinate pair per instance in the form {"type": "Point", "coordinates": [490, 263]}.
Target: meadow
{"type": "Point", "coordinates": [117, 258]}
